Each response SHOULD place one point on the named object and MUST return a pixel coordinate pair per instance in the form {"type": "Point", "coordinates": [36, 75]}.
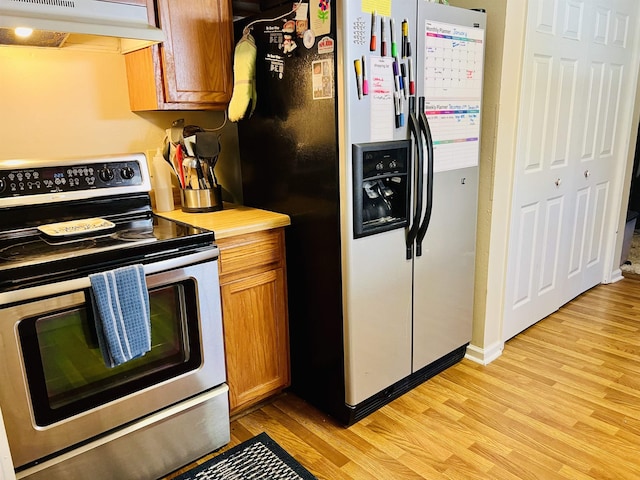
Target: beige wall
{"type": "Point", "coordinates": [65, 103]}
{"type": "Point", "coordinates": [506, 136]}
{"type": "Point", "coordinates": [486, 321]}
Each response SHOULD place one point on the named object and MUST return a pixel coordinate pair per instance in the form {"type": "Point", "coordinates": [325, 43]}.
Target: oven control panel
{"type": "Point", "coordinates": [39, 180]}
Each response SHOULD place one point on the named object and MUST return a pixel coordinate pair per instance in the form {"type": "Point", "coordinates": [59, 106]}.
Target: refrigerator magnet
{"type": "Point", "coordinates": [326, 45]}
{"type": "Point", "coordinates": [359, 32]}
{"type": "Point", "coordinates": [322, 79]}
{"type": "Point", "coordinates": [289, 27]}
{"type": "Point", "coordinates": [301, 27]}
{"type": "Point", "coordinates": [289, 44]}
{"type": "Point", "coordinates": [321, 18]}
{"type": "Point", "coordinates": [275, 36]}
{"type": "Point", "coordinates": [276, 65]}
{"type": "Point", "coordinates": [308, 39]}
{"type": "Point", "coordinates": [302, 22]}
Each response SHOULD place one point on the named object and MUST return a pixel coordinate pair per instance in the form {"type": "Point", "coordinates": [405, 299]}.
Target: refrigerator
{"type": "Point", "coordinates": [366, 132]}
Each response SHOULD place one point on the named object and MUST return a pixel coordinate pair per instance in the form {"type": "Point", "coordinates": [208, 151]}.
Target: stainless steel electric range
{"type": "Point", "coordinates": [67, 414]}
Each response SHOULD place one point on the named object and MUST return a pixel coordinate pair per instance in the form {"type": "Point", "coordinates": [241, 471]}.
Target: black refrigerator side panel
{"type": "Point", "coordinates": [289, 161]}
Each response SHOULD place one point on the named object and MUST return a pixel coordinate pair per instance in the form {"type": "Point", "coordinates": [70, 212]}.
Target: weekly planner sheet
{"type": "Point", "coordinates": [453, 62]}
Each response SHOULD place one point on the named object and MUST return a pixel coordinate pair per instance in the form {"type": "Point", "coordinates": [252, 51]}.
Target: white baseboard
{"type": "Point", "coordinates": [484, 356]}
{"type": "Point", "coordinates": [616, 276]}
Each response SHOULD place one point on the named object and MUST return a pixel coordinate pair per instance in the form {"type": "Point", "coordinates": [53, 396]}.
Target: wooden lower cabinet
{"type": "Point", "coordinates": [254, 313]}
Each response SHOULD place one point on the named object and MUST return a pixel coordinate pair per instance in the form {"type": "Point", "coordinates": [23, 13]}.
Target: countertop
{"type": "Point", "coordinates": [231, 220]}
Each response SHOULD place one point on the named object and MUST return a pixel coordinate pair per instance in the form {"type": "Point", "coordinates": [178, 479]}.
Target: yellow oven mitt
{"type": "Point", "coordinates": [244, 73]}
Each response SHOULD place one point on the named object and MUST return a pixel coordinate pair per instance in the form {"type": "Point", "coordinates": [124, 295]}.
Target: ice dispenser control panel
{"type": "Point", "coordinates": [381, 179]}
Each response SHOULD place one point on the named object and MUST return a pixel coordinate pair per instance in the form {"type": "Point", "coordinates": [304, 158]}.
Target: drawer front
{"type": "Point", "coordinates": [243, 252]}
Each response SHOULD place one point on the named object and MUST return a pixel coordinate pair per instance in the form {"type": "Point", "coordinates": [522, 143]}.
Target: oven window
{"type": "Point", "coordinates": [65, 368]}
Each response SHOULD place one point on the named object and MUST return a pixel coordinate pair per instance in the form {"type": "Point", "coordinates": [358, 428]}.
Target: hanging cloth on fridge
{"type": "Point", "coordinates": [245, 95]}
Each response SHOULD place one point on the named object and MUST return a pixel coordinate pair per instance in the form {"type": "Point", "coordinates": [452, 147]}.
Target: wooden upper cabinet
{"type": "Point", "coordinates": [192, 68]}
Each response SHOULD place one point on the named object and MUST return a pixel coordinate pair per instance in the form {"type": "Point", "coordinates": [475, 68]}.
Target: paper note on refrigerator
{"type": "Point", "coordinates": [453, 63]}
{"type": "Point", "coordinates": [320, 16]}
{"type": "Point", "coordinates": [381, 7]}
{"type": "Point", "coordinates": [381, 88]}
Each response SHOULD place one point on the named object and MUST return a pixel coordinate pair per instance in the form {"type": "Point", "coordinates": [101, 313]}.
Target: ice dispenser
{"type": "Point", "coordinates": [380, 186]}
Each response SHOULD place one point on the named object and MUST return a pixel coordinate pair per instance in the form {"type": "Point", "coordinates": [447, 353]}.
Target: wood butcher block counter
{"type": "Point", "coordinates": [232, 220]}
{"type": "Point", "coordinates": [253, 288]}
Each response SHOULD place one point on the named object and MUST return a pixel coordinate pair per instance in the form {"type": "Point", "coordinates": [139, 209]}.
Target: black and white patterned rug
{"type": "Point", "coordinates": [259, 458]}
{"type": "Point", "coordinates": [632, 264]}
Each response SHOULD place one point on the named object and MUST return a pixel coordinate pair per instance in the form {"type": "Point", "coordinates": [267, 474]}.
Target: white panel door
{"type": "Point", "coordinates": [602, 128]}
{"type": "Point", "coordinates": [577, 70]}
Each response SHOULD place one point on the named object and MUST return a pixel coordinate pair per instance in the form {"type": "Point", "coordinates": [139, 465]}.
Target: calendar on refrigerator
{"type": "Point", "coordinates": [453, 66]}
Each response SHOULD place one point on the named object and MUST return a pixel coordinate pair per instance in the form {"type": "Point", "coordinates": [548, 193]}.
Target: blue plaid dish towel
{"type": "Point", "coordinates": [123, 323]}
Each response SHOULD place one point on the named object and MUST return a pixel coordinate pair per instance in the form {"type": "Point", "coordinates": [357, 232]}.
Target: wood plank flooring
{"type": "Point", "coordinates": [562, 402]}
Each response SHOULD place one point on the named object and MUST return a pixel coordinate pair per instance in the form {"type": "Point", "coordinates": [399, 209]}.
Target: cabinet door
{"type": "Point", "coordinates": [196, 57]}
{"type": "Point", "coordinates": [256, 337]}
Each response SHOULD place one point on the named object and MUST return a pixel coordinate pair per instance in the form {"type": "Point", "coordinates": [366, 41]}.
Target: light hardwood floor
{"type": "Point", "coordinates": [562, 402]}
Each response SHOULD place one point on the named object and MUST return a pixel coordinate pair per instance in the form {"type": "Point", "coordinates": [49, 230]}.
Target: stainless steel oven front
{"type": "Point", "coordinates": [68, 415]}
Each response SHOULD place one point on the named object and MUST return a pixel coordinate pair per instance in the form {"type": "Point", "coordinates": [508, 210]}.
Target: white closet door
{"type": "Point", "coordinates": [573, 125]}
{"type": "Point", "coordinates": [602, 130]}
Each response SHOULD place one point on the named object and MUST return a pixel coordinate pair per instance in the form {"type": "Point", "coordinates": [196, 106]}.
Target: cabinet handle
{"type": "Point", "coordinates": [587, 174]}
{"type": "Point", "coordinates": [558, 182]}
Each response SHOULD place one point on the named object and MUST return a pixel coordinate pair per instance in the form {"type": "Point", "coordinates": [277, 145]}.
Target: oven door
{"type": "Point", "coordinates": [56, 389]}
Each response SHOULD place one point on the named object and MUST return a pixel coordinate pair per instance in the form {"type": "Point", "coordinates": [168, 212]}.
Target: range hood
{"type": "Point", "coordinates": [60, 23]}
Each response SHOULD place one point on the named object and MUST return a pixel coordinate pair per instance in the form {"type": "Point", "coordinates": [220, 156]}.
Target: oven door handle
{"type": "Point", "coordinates": [76, 284]}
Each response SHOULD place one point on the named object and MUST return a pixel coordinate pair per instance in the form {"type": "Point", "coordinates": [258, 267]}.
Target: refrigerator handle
{"type": "Point", "coordinates": [415, 135]}
{"type": "Point", "coordinates": [423, 124]}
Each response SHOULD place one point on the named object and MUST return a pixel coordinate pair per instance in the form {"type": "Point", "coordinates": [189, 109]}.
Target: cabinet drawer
{"type": "Point", "coordinates": [243, 252]}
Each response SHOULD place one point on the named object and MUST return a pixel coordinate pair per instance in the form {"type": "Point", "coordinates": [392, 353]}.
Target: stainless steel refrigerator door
{"type": "Point", "coordinates": [377, 277]}
{"type": "Point", "coordinates": [444, 273]}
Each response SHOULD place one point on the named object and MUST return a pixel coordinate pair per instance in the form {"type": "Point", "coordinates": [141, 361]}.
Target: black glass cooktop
{"type": "Point", "coordinates": [29, 257]}
{"type": "Point", "coordinates": [65, 219]}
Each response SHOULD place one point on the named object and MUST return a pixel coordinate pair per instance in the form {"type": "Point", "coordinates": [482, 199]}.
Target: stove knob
{"type": "Point", "coordinates": [3, 185]}
{"type": "Point", "coordinates": [105, 174]}
{"type": "Point", "coordinates": [127, 173]}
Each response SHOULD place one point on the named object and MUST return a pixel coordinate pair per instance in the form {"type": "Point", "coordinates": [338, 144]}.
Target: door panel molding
{"type": "Point", "coordinates": [525, 259]}
{"type": "Point", "coordinates": [596, 80]}
{"type": "Point", "coordinates": [576, 250]}
{"type": "Point", "coordinates": [551, 245]}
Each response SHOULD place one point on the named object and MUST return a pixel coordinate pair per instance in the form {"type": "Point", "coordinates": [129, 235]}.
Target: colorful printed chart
{"type": "Point", "coordinates": [453, 88]}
